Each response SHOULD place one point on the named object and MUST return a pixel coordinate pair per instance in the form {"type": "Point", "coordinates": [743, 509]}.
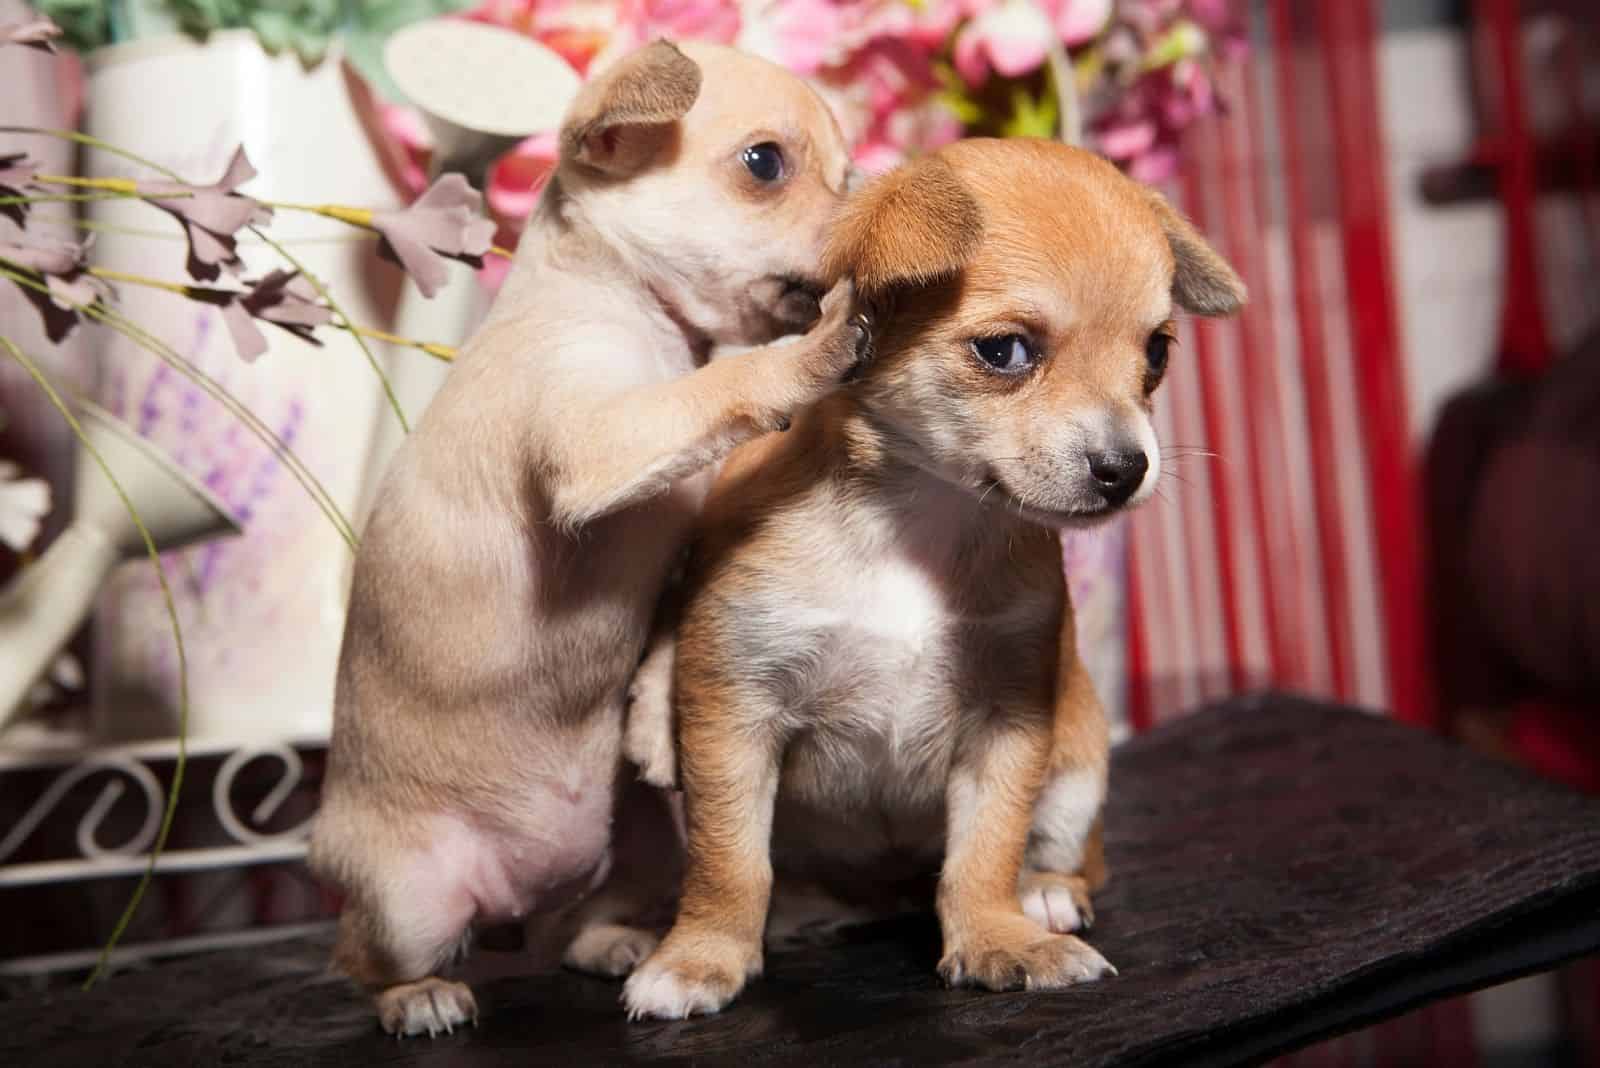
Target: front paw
{"type": "Point", "coordinates": [1056, 902]}
{"type": "Point", "coordinates": [689, 975]}
{"type": "Point", "coordinates": [1012, 953]}
{"type": "Point", "coordinates": [840, 346]}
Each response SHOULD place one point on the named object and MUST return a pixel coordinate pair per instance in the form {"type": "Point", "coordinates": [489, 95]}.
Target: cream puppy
{"type": "Point", "coordinates": [515, 553]}
{"type": "Point", "coordinates": [876, 677]}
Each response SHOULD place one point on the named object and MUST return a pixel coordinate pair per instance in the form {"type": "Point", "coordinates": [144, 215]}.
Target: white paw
{"type": "Point", "coordinates": [609, 949]}
{"type": "Point", "coordinates": [663, 992]}
{"type": "Point", "coordinates": [429, 1006]}
{"type": "Point", "coordinates": [1052, 908]}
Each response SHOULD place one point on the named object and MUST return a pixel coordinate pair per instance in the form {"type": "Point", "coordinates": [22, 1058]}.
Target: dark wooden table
{"type": "Point", "coordinates": [1282, 871]}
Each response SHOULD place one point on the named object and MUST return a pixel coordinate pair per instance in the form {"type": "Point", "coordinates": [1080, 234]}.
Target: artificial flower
{"type": "Point", "coordinates": [38, 32]}
{"type": "Point", "coordinates": [447, 220]}
{"type": "Point", "coordinates": [283, 298]}
{"type": "Point", "coordinates": [64, 268]}
{"type": "Point", "coordinates": [1012, 38]}
{"type": "Point", "coordinates": [16, 174]}
{"type": "Point", "coordinates": [211, 216]}
{"type": "Point", "coordinates": [689, 20]}
{"type": "Point", "coordinates": [24, 502]}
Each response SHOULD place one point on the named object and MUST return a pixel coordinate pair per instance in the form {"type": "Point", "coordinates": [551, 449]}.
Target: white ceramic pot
{"type": "Point", "coordinates": [263, 613]}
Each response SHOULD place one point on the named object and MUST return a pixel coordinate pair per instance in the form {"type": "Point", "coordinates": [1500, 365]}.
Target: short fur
{"type": "Point", "coordinates": [875, 678]}
{"type": "Point", "coordinates": [519, 543]}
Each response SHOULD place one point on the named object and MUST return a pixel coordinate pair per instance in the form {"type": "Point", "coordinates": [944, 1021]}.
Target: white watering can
{"type": "Point", "coordinates": [46, 604]}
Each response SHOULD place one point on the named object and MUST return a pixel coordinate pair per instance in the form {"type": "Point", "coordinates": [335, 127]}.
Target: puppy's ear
{"type": "Point", "coordinates": [622, 118]}
{"type": "Point", "coordinates": [1202, 283]}
{"type": "Point", "coordinates": [913, 226]}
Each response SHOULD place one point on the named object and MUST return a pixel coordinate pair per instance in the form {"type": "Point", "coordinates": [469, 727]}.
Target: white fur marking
{"type": "Point", "coordinates": [1052, 908]}
{"type": "Point", "coordinates": [1062, 818]}
{"type": "Point", "coordinates": [661, 993]}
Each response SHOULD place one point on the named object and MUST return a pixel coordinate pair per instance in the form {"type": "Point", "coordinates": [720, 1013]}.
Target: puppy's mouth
{"type": "Point", "coordinates": [798, 303]}
{"type": "Point", "coordinates": [994, 493]}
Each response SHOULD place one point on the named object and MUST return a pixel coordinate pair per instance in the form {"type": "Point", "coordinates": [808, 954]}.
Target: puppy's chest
{"type": "Point", "coordinates": [882, 668]}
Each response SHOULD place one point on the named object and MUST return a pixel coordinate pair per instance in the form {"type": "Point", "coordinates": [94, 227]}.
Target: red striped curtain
{"type": "Point", "coordinates": [1283, 550]}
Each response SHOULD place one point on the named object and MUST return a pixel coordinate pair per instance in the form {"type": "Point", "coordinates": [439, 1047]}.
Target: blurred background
{"type": "Point", "coordinates": [1380, 479]}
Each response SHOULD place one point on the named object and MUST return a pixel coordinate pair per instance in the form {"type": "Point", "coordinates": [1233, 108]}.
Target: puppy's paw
{"type": "Point", "coordinates": [1011, 953]}
{"type": "Point", "coordinates": [839, 346]}
{"type": "Point", "coordinates": [430, 1005]}
{"type": "Point", "coordinates": [689, 976]}
{"type": "Point", "coordinates": [610, 950]}
{"type": "Point", "coordinates": [1056, 902]}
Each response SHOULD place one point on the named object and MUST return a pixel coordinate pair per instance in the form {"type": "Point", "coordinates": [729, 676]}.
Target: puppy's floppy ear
{"type": "Point", "coordinates": [913, 226]}
{"type": "Point", "coordinates": [623, 117]}
{"type": "Point", "coordinates": [1202, 281]}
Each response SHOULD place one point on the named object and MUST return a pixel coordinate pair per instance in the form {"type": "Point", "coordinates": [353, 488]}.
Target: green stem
{"type": "Point", "coordinates": [345, 322]}
{"type": "Point", "coordinates": [93, 142]}
{"type": "Point", "coordinates": [177, 637]}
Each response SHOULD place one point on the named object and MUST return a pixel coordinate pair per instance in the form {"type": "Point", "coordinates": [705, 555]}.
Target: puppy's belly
{"type": "Point", "coordinates": [861, 795]}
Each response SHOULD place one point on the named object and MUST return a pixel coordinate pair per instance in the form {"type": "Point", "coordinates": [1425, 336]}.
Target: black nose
{"type": "Point", "coordinates": [1117, 474]}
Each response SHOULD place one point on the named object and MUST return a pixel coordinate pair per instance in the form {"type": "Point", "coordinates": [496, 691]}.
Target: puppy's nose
{"type": "Point", "coordinates": [1117, 474]}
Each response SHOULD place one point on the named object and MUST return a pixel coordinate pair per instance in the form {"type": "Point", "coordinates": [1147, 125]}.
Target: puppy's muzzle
{"type": "Point", "coordinates": [799, 302]}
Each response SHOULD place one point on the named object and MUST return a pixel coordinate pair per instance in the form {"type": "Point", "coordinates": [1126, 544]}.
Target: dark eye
{"type": "Point", "coordinates": [764, 161]}
{"type": "Point", "coordinates": [1009, 353]}
{"type": "Point", "coordinates": [1155, 352]}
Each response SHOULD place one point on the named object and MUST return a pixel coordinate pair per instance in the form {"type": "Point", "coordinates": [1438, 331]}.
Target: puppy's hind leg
{"type": "Point", "coordinates": [396, 953]}
{"type": "Point", "coordinates": [621, 924]}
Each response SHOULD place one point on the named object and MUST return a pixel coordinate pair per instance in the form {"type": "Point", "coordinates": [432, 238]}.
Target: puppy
{"type": "Point", "coordinates": [875, 672]}
{"type": "Point", "coordinates": [517, 548]}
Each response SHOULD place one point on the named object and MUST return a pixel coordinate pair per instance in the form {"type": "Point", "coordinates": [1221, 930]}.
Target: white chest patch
{"type": "Point", "coordinates": [894, 602]}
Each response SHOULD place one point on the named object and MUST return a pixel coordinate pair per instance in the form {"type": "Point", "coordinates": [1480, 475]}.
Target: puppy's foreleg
{"type": "Point", "coordinates": [988, 941]}
{"type": "Point", "coordinates": [730, 781]}
{"type": "Point", "coordinates": [634, 445]}
{"type": "Point", "coordinates": [1065, 861]}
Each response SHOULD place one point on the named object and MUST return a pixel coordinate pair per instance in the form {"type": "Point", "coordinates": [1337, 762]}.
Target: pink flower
{"type": "Point", "coordinates": [282, 298]}
{"type": "Point", "coordinates": [16, 174]}
{"type": "Point", "coordinates": [1144, 128]}
{"type": "Point", "coordinates": [690, 20]}
{"type": "Point", "coordinates": [447, 220]}
{"type": "Point", "coordinates": [211, 215]}
{"type": "Point", "coordinates": [63, 268]}
{"type": "Point", "coordinates": [812, 35]}
{"type": "Point", "coordinates": [1012, 37]}
{"type": "Point", "coordinates": [1079, 21]}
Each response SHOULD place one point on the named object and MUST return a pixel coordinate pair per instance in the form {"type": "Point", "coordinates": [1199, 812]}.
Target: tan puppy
{"type": "Point", "coordinates": [876, 672]}
{"type": "Point", "coordinates": [515, 554]}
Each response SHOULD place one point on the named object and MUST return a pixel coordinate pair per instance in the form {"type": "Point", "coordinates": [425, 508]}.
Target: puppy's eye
{"type": "Point", "coordinates": [764, 161]}
{"type": "Point", "coordinates": [1156, 351]}
{"type": "Point", "coordinates": [1009, 353]}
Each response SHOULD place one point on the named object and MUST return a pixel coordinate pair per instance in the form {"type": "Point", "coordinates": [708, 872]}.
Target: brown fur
{"type": "Point", "coordinates": [876, 671]}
